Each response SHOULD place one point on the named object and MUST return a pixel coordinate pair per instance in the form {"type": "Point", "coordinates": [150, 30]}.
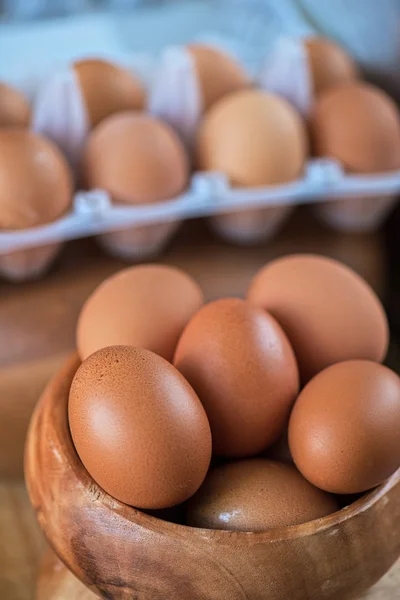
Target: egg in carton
{"type": "Point", "coordinates": [189, 81]}
{"type": "Point", "coordinates": [301, 68]}
{"type": "Point", "coordinates": [77, 97]}
{"type": "Point", "coordinates": [96, 112]}
{"type": "Point", "coordinates": [22, 208]}
{"type": "Point", "coordinates": [257, 139]}
{"type": "Point", "coordinates": [37, 188]}
{"type": "Point", "coordinates": [217, 120]}
{"type": "Point", "coordinates": [190, 84]}
{"type": "Point", "coordinates": [138, 160]}
{"type": "Point", "coordinates": [67, 106]}
{"type": "Point", "coordinates": [15, 109]}
{"type": "Point", "coordinates": [357, 122]}
{"type": "Point", "coordinates": [358, 125]}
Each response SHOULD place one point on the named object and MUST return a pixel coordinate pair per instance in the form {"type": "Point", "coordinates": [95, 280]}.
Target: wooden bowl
{"type": "Point", "coordinates": [121, 553]}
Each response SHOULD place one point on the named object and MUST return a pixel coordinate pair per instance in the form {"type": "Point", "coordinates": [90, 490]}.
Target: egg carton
{"type": "Point", "coordinates": [174, 95]}
{"type": "Point", "coordinates": [209, 194]}
{"type": "Point", "coordinates": [247, 215]}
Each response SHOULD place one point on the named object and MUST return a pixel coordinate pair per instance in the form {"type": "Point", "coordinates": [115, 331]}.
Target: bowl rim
{"type": "Point", "coordinates": [55, 402]}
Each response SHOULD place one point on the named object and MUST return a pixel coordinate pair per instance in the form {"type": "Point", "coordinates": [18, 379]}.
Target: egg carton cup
{"type": "Point", "coordinates": [174, 96]}
{"type": "Point", "coordinates": [28, 264]}
{"type": "Point", "coordinates": [209, 194]}
{"type": "Point", "coordinates": [286, 71]}
{"type": "Point", "coordinates": [356, 214]}
{"type": "Point", "coordinates": [248, 227]}
{"type": "Point", "coordinates": [174, 93]}
{"type": "Point", "coordinates": [138, 243]}
{"type": "Point", "coordinates": [59, 110]}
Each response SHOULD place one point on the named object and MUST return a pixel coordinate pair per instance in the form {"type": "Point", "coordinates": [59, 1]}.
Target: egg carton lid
{"type": "Point", "coordinates": [209, 194]}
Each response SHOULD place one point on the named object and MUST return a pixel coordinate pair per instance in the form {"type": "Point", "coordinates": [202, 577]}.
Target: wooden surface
{"type": "Point", "coordinates": [38, 319]}
{"type": "Point", "coordinates": [21, 543]}
{"type": "Point", "coordinates": [56, 582]}
{"type": "Point", "coordinates": [36, 331]}
{"type": "Point", "coordinates": [20, 387]}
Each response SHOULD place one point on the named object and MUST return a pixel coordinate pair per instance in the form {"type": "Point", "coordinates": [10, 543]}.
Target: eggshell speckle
{"type": "Point", "coordinates": [36, 182]}
{"type": "Point", "coordinates": [139, 428]}
{"type": "Point", "coordinates": [218, 73]}
{"type": "Point", "coordinates": [327, 311]}
{"type": "Point", "coordinates": [146, 306]}
{"type": "Point", "coordinates": [107, 89]}
{"type": "Point", "coordinates": [15, 110]}
{"type": "Point", "coordinates": [136, 158]}
{"type": "Point", "coordinates": [243, 369]}
{"type": "Point", "coordinates": [358, 125]}
{"type": "Point", "coordinates": [254, 137]}
{"type": "Point", "coordinates": [256, 495]}
{"type": "Point", "coordinates": [330, 64]}
{"type": "Point", "coordinates": [344, 430]}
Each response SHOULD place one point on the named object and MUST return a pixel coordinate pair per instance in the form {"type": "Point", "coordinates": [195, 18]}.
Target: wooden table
{"type": "Point", "coordinates": [37, 322]}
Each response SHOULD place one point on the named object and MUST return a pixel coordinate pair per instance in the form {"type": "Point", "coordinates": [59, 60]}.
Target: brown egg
{"type": "Point", "coordinates": [136, 158]}
{"type": "Point", "coordinates": [138, 427]}
{"type": "Point", "coordinates": [330, 64]}
{"type": "Point", "coordinates": [327, 311]}
{"type": "Point", "coordinates": [146, 306]}
{"type": "Point", "coordinates": [36, 182]}
{"type": "Point", "coordinates": [255, 138]}
{"type": "Point", "coordinates": [15, 110]}
{"type": "Point", "coordinates": [243, 369]}
{"type": "Point", "coordinates": [358, 125]}
{"type": "Point", "coordinates": [344, 430]}
{"type": "Point", "coordinates": [255, 495]}
{"type": "Point", "coordinates": [218, 73]}
{"type": "Point", "coordinates": [108, 89]}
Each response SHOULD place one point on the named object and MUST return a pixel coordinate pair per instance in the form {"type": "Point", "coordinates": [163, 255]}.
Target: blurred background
{"type": "Point", "coordinates": [38, 318]}
{"type": "Point", "coordinates": [368, 30]}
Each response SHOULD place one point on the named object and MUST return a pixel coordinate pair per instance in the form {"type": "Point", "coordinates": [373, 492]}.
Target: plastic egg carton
{"type": "Point", "coordinates": [248, 215]}
{"type": "Point", "coordinates": [209, 194]}
{"type": "Point", "coordinates": [60, 115]}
